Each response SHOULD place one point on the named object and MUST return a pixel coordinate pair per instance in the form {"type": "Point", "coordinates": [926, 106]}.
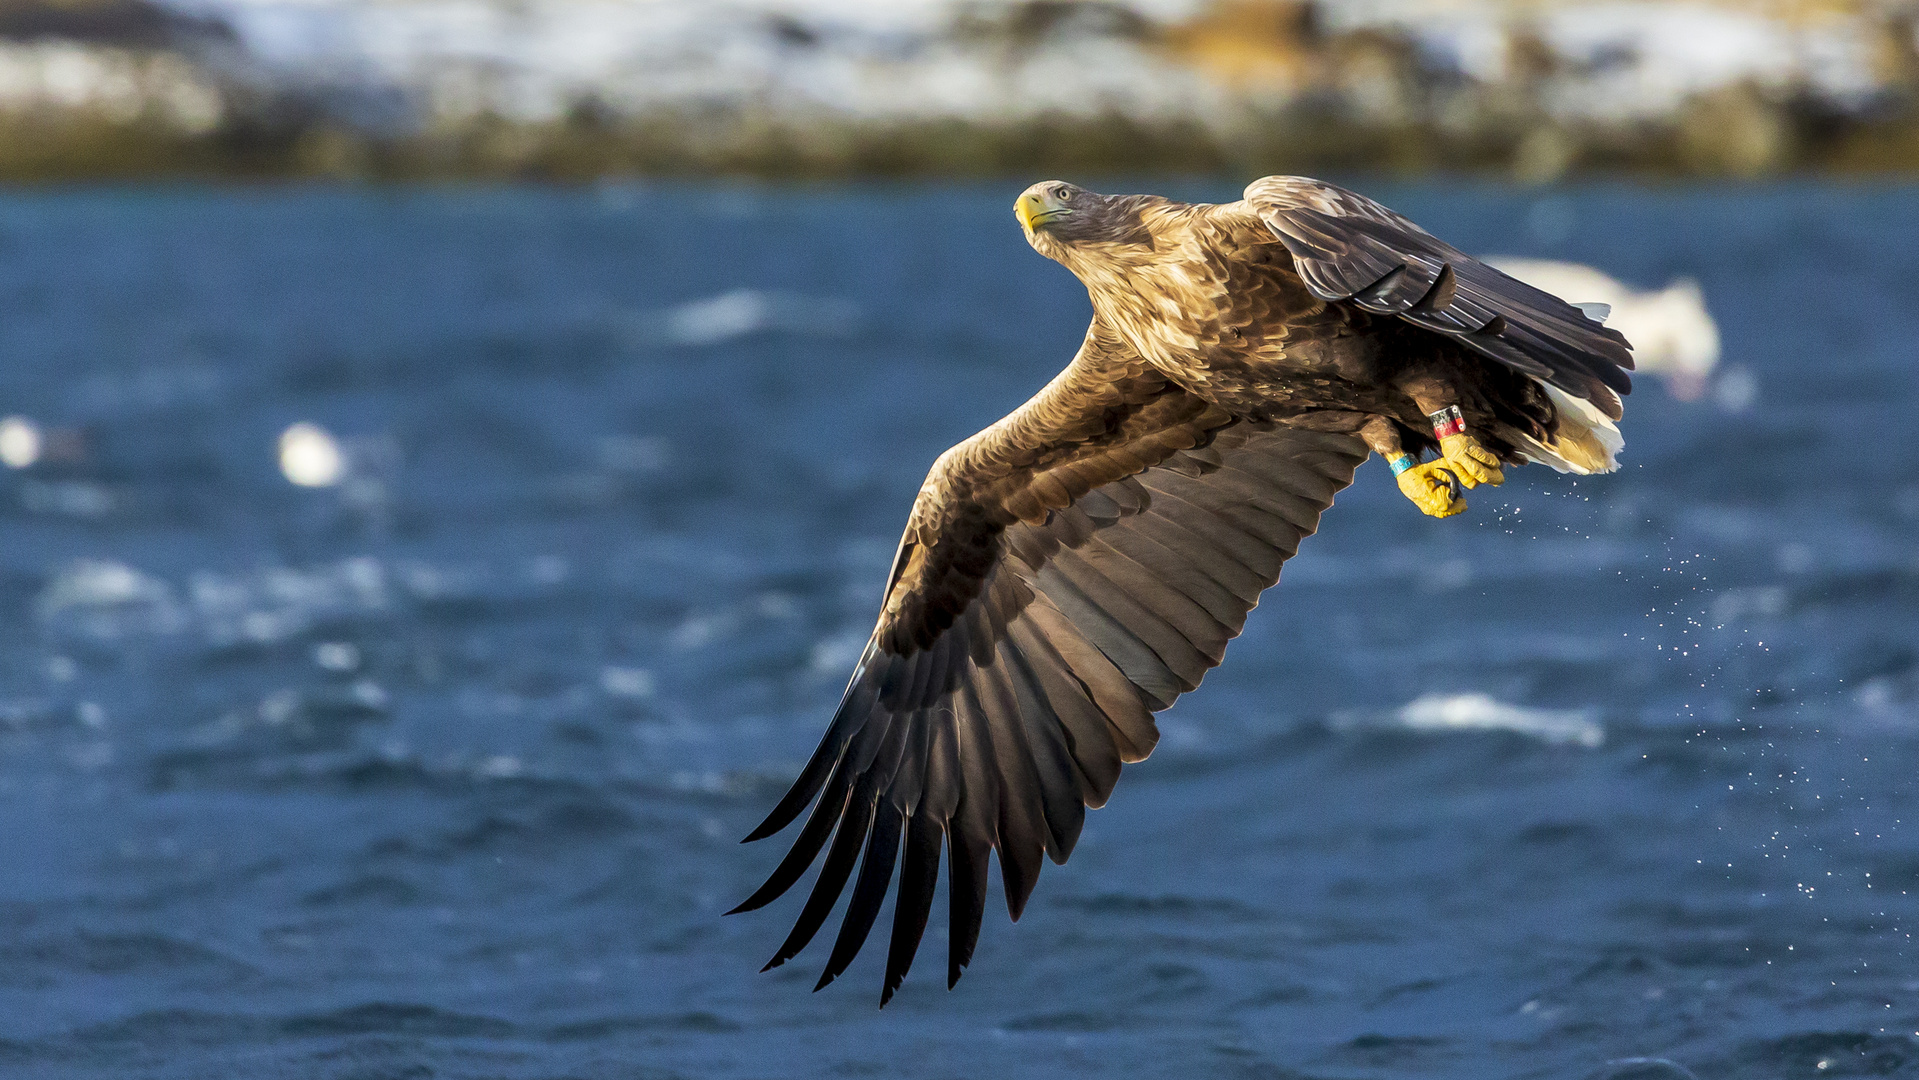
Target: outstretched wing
{"type": "Point", "coordinates": [1065, 573]}
{"type": "Point", "coordinates": [1348, 247]}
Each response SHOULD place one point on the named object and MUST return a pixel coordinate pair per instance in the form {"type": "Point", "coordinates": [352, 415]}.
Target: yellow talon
{"type": "Point", "coordinates": [1472, 463]}
{"type": "Point", "coordinates": [1433, 488]}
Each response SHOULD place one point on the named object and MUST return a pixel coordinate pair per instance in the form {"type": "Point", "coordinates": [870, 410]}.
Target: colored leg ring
{"type": "Point", "coordinates": [1447, 421]}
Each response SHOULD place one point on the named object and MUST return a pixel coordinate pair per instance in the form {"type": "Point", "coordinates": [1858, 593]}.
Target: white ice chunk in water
{"type": "Point", "coordinates": [19, 442]}
{"type": "Point", "coordinates": [310, 456]}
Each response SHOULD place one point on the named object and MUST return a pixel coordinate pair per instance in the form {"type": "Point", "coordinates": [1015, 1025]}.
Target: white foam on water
{"type": "Point", "coordinates": [633, 684]}
{"type": "Point", "coordinates": [1480, 712]}
{"type": "Point", "coordinates": [835, 654]}
{"type": "Point", "coordinates": [337, 655]}
{"type": "Point", "coordinates": [1735, 390]}
{"type": "Point", "coordinates": [67, 498]}
{"type": "Point", "coordinates": [104, 600]}
{"type": "Point", "coordinates": [310, 456]}
{"type": "Point", "coordinates": [744, 312]}
{"type": "Point", "coordinates": [19, 442]}
{"type": "Point", "coordinates": [499, 767]}
{"type": "Point", "coordinates": [282, 603]}
{"type": "Point", "coordinates": [1749, 602]}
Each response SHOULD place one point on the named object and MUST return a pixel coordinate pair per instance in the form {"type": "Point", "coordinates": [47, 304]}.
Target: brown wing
{"type": "Point", "coordinates": [1348, 247]}
{"type": "Point", "coordinates": [1065, 574]}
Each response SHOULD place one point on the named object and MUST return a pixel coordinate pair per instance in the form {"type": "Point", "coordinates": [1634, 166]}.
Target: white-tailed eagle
{"type": "Point", "coordinates": [1075, 567]}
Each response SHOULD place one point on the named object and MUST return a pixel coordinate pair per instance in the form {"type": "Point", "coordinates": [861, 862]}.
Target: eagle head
{"type": "Point", "coordinates": [1063, 219]}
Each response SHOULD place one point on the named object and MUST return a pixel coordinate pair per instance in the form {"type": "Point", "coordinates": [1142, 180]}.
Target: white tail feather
{"type": "Point", "coordinates": [1587, 441]}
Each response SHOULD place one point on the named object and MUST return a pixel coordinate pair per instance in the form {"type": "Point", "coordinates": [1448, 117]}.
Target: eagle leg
{"type": "Point", "coordinates": [1469, 460]}
{"type": "Point", "coordinates": [1433, 487]}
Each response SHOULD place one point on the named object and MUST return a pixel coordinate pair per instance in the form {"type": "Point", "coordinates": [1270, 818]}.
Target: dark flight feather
{"type": "Point", "coordinates": [1348, 247]}
{"type": "Point", "coordinates": [913, 905]}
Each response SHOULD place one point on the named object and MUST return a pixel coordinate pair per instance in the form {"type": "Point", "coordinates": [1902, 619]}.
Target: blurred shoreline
{"type": "Point", "coordinates": [1533, 92]}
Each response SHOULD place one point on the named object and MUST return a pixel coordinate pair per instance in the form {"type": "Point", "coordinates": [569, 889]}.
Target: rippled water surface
{"type": "Point", "coordinates": [440, 771]}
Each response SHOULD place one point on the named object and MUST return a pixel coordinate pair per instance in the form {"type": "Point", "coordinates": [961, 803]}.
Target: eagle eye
{"type": "Point", "coordinates": [1062, 193]}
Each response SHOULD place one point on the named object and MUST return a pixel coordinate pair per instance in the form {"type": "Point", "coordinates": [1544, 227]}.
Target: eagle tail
{"type": "Point", "coordinates": [1585, 441]}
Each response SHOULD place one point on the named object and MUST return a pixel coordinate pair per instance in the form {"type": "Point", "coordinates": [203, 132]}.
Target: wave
{"type": "Point", "coordinates": [1480, 712]}
{"type": "Point", "coordinates": [743, 313]}
{"type": "Point", "coordinates": [103, 601]}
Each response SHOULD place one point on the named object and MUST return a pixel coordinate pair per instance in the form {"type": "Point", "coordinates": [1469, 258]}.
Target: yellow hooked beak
{"type": "Point", "coordinates": [1036, 210]}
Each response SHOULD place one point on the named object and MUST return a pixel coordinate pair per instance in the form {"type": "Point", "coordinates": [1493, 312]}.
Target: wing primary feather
{"type": "Point", "coordinates": [905, 694]}
{"type": "Point", "coordinates": [909, 779]}
{"type": "Point", "coordinates": [973, 832]}
{"type": "Point", "coordinates": [966, 893]}
{"type": "Point", "coordinates": [847, 842]}
{"type": "Point", "coordinates": [869, 891]}
{"type": "Point", "coordinates": [1021, 819]}
{"type": "Point", "coordinates": [806, 847]}
{"type": "Point", "coordinates": [919, 875]}
{"type": "Point", "coordinates": [1037, 726]}
{"type": "Point", "coordinates": [855, 706]}
{"type": "Point", "coordinates": [940, 795]}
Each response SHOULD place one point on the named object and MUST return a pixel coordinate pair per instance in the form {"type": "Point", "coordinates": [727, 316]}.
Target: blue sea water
{"type": "Point", "coordinates": [440, 771]}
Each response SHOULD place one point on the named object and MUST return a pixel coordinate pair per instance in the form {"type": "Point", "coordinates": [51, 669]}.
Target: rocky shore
{"type": "Point", "coordinates": [587, 89]}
